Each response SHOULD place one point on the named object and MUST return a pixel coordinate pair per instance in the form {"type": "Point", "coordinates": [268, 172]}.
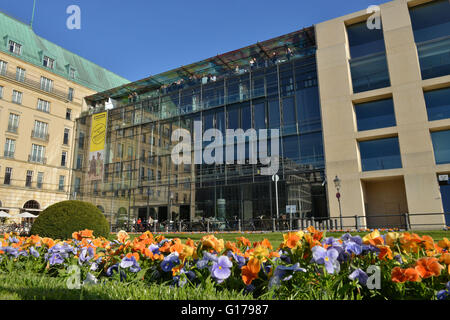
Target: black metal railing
{"type": "Point", "coordinates": [36, 159]}
{"type": "Point", "coordinates": [35, 84]}
{"type": "Point", "coordinates": [260, 224]}
{"type": "Point", "coordinates": [40, 135]}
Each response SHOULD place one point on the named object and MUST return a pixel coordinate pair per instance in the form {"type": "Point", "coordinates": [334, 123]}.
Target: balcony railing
{"type": "Point", "coordinates": [36, 85]}
{"type": "Point", "coordinates": [36, 159]}
{"type": "Point", "coordinates": [40, 135]}
{"type": "Point", "coordinates": [9, 154]}
{"type": "Point", "coordinates": [12, 129]}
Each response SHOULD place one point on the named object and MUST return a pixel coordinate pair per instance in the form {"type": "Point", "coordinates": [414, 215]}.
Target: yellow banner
{"type": "Point", "coordinates": [98, 131]}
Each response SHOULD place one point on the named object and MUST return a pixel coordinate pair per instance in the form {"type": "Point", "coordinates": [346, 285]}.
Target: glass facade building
{"type": "Point", "coordinates": [269, 85]}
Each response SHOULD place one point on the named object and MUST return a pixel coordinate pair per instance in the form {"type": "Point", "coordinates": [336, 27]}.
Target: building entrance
{"type": "Point", "coordinates": [444, 184]}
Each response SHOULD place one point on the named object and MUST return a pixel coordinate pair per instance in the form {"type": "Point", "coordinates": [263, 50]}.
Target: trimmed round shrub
{"type": "Point", "coordinates": [60, 220]}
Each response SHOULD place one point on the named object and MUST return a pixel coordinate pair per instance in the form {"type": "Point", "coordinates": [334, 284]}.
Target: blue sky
{"type": "Point", "coordinates": [136, 38]}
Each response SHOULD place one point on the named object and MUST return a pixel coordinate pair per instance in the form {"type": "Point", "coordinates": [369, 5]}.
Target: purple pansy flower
{"type": "Point", "coordinates": [170, 261]}
{"type": "Point", "coordinates": [280, 272]}
{"type": "Point", "coordinates": [221, 269]}
{"type": "Point", "coordinates": [442, 295]}
{"type": "Point", "coordinates": [327, 258]}
{"type": "Point", "coordinates": [238, 258]}
{"type": "Point", "coordinates": [34, 252]}
{"type": "Point", "coordinates": [360, 275]}
{"type": "Point", "coordinates": [55, 258]}
{"type": "Point", "coordinates": [130, 263]}
{"type": "Point", "coordinates": [110, 270]}
{"type": "Point", "coordinates": [204, 261]}
{"type": "Point", "coordinates": [86, 255]}
{"type": "Point", "coordinates": [154, 248]}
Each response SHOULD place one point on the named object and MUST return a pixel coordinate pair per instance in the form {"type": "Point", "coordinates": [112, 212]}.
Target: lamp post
{"type": "Point", "coordinates": [170, 207]}
{"type": "Point", "coordinates": [276, 178]}
{"type": "Point", "coordinates": [337, 184]}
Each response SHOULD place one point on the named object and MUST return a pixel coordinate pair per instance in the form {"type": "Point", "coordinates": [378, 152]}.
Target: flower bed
{"type": "Point", "coordinates": [306, 265]}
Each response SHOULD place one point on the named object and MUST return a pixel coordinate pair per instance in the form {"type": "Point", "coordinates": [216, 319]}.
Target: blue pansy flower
{"type": "Point", "coordinates": [170, 261]}
{"type": "Point", "coordinates": [221, 269]}
{"type": "Point", "coordinates": [110, 270]}
{"type": "Point", "coordinates": [130, 263]}
{"type": "Point", "coordinates": [56, 258]}
{"type": "Point", "coordinates": [34, 252]}
{"type": "Point", "coordinates": [327, 258]}
{"type": "Point", "coordinates": [360, 275]}
{"type": "Point", "coordinates": [280, 272]}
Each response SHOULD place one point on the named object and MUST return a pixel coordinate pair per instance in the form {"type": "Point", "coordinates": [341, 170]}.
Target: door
{"type": "Point", "coordinates": [445, 194]}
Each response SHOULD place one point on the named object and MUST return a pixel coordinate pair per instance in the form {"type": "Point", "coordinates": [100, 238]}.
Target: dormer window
{"type": "Point", "coordinates": [49, 62]}
{"type": "Point", "coordinates": [71, 73]}
{"type": "Point", "coordinates": [15, 48]}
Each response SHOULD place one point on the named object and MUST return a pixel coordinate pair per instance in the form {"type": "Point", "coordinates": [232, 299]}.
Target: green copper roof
{"type": "Point", "coordinates": [34, 48]}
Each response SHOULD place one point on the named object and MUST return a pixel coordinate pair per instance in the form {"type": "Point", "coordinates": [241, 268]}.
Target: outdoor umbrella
{"type": "Point", "coordinates": [3, 214]}
{"type": "Point", "coordinates": [26, 215]}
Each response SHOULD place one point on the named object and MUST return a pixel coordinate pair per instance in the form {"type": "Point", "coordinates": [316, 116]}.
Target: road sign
{"type": "Point", "coordinates": [275, 178]}
{"type": "Point", "coordinates": [443, 177]}
{"type": "Point", "coordinates": [291, 209]}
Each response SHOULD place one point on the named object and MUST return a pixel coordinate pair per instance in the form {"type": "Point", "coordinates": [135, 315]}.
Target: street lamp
{"type": "Point", "coordinates": [337, 184]}
{"type": "Point", "coordinates": [170, 207]}
{"type": "Point", "coordinates": [276, 178]}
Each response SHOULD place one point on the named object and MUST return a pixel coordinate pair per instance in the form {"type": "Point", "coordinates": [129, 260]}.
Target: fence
{"type": "Point", "coordinates": [393, 221]}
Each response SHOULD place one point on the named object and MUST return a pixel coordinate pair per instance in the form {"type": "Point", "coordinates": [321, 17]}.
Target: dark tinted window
{"type": "Point", "coordinates": [438, 104]}
{"type": "Point", "coordinates": [375, 114]}
{"type": "Point", "coordinates": [380, 154]}
{"type": "Point", "coordinates": [441, 146]}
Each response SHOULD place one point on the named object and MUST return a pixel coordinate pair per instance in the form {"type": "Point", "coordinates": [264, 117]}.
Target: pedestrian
{"type": "Point", "coordinates": [274, 57]}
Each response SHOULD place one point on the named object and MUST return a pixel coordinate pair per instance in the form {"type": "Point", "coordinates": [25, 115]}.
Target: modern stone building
{"type": "Point", "coordinates": [42, 90]}
{"type": "Point", "coordinates": [364, 98]}
{"type": "Point", "coordinates": [385, 101]}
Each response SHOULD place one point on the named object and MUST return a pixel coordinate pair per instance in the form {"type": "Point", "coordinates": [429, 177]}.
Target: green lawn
{"type": "Point", "coordinates": [29, 286]}
{"type": "Point", "coordinates": [276, 238]}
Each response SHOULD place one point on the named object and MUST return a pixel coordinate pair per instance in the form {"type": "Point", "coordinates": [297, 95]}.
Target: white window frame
{"type": "Point", "coordinates": [61, 187]}
{"type": "Point", "coordinates": [13, 122]}
{"type": "Point", "coordinates": [10, 148]}
{"type": "Point", "coordinates": [20, 74]}
{"type": "Point", "coordinates": [46, 84]}
{"type": "Point", "coordinates": [48, 62]}
{"type": "Point", "coordinates": [40, 180]}
{"type": "Point", "coordinates": [40, 129]}
{"type": "Point", "coordinates": [15, 47]}
{"type": "Point", "coordinates": [3, 67]}
{"type": "Point", "coordinates": [17, 97]}
{"type": "Point", "coordinates": [37, 153]}
{"type": "Point", "coordinates": [43, 105]}
{"type": "Point", "coordinates": [64, 155]}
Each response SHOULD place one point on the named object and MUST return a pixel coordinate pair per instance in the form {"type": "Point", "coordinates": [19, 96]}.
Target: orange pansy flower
{"type": "Point", "coordinates": [135, 255]}
{"type": "Point", "coordinates": [444, 243]}
{"type": "Point", "coordinates": [86, 233]}
{"type": "Point", "coordinates": [402, 275]}
{"type": "Point", "coordinates": [250, 271]}
{"type": "Point", "coordinates": [178, 247]}
{"type": "Point", "coordinates": [385, 251]}
{"type": "Point", "coordinates": [291, 240]}
{"type": "Point", "coordinates": [428, 267]}
{"type": "Point", "coordinates": [244, 242]}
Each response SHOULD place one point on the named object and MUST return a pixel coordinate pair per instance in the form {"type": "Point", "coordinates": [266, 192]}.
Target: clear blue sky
{"type": "Point", "coordinates": [136, 38]}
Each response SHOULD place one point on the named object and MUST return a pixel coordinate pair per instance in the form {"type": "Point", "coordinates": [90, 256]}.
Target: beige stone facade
{"type": "Point", "coordinates": [412, 189]}
{"type": "Point", "coordinates": [14, 196]}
